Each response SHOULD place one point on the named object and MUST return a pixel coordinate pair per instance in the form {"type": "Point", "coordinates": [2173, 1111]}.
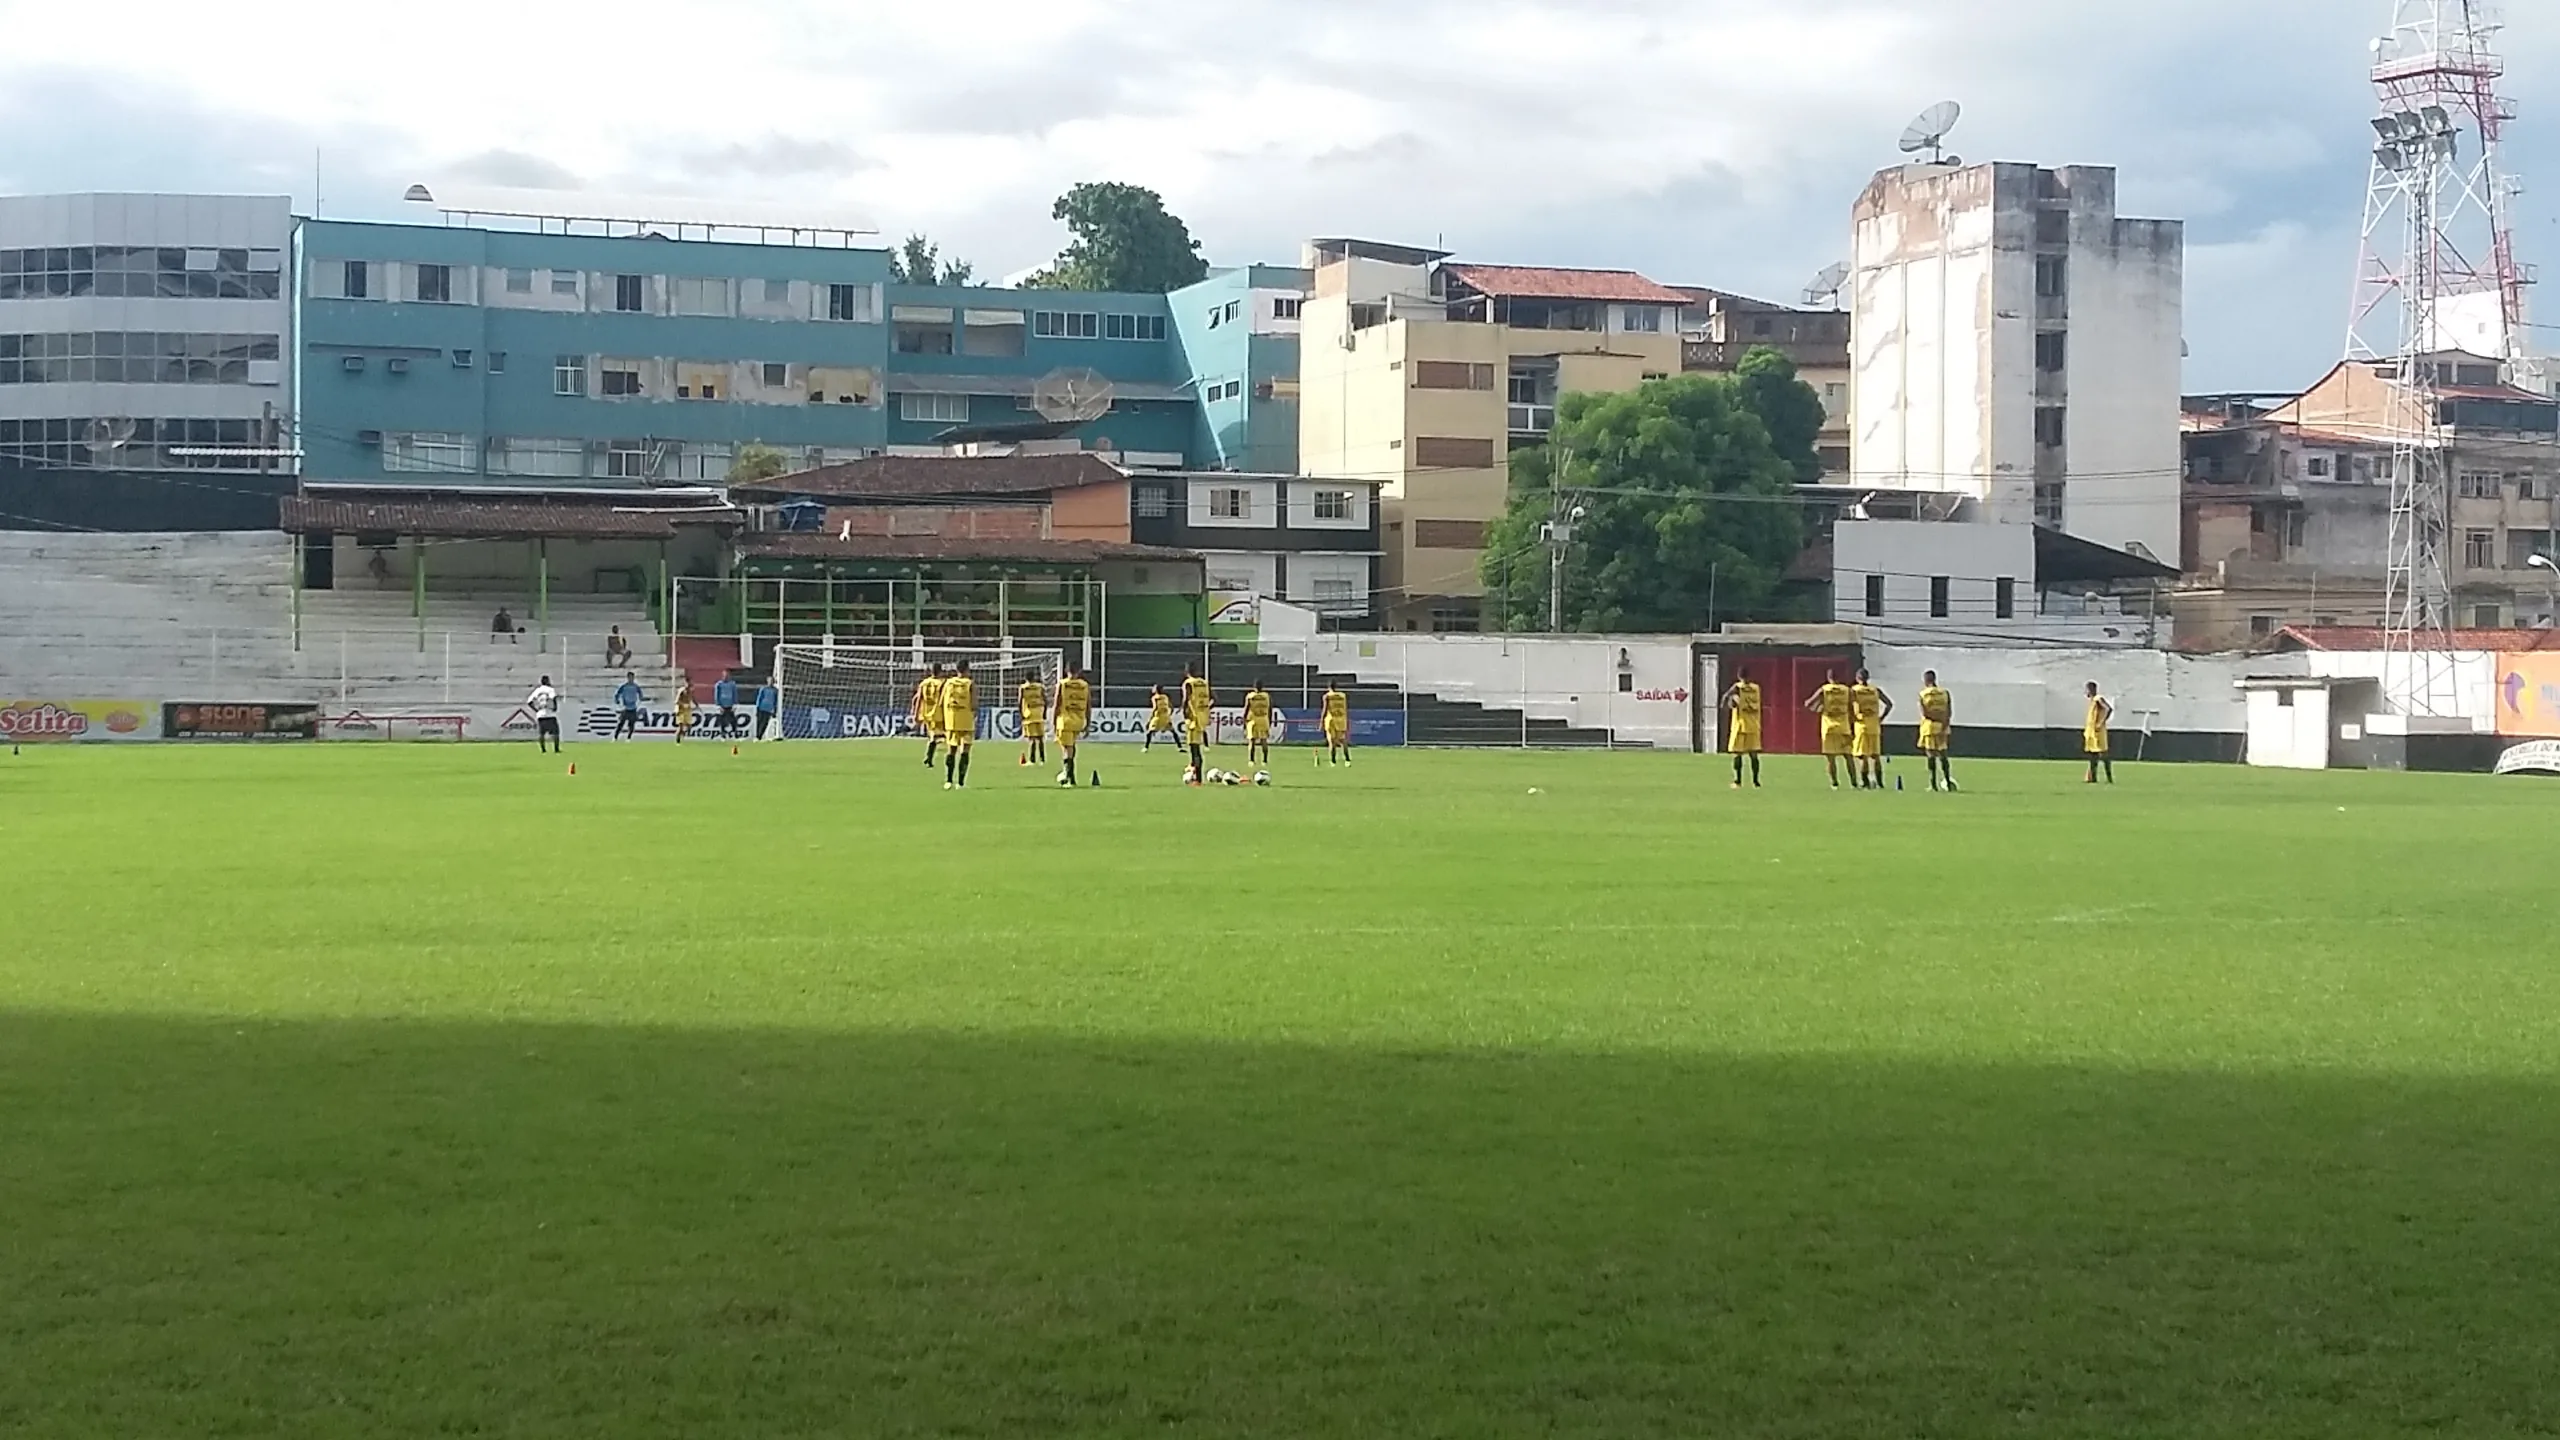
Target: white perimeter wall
{"type": "Point", "coordinates": [2025, 688]}
{"type": "Point", "coordinates": [2289, 729]}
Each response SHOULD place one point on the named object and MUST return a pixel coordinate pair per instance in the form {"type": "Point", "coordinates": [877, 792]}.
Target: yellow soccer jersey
{"type": "Point", "coordinates": [1035, 699]}
{"type": "Point", "coordinates": [1833, 701]}
{"type": "Point", "coordinates": [1936, 705]}
{"type": "Point", "coordinates": [1746, 701]}
{"type": "Point", "coordinates": [1337, 708]}
{"type": "Point", "coordinates": [1866, 702]}
{"type": "Point", "coordinates": [1075, 700]}
{"type": "Point", "coordinates": [929, 699]}
{"type": "Point", "coordinates": [960, 709]}
{"type": "Point", "coordinates": [1159, 711]}
{"type": "Point", "coordinates": [2093, 734]}
{"type": "Point", "coordinates": [1257, 713]}
{"type": "Point", "coordinates": [1195, 700]}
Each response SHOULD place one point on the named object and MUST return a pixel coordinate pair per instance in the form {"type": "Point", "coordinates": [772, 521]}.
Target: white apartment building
{"type": "Point", "coordinates": [2014, 340]}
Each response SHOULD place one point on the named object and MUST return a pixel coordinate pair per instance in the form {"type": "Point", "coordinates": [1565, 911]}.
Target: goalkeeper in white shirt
{"type": "Point", "coordinates": [544, 702]}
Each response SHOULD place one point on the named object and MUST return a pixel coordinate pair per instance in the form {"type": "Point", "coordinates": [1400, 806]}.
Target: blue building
{"type": "Point", "coordinates": [1239, 334]}
{"type": "Point", "coordinates": [460, 353]}
{"type": "Point", "coordinates": [450, 353]}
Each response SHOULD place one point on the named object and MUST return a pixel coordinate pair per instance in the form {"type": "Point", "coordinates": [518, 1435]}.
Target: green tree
{"type": "Point", "coordinates": [756, 462]}
{"type": "Point", "coordinates": [1790, 409]}
{"type": "Point", "coordinates": [919, 262]}
{"type": "Point", "coordinates": [1688, 514]}
{"type": "Point", "coordinates": [1125, 240]}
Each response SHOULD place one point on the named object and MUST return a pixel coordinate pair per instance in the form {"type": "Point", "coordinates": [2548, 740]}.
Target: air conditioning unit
{"type": "Point", "coordinates": [370, 439]}
{"type": "Point", "coordinates": [397, 364]}
{"type": "Point", "coordinates": [352, 364]}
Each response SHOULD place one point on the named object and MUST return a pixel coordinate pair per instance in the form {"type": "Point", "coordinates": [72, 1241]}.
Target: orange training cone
{"type": "Point", "coordinates": [573, 767]}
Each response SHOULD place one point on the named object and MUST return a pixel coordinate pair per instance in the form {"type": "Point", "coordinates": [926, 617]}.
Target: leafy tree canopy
{"type": "Point", "coordinates": [1125, 240]}
{"type": "Point", "coordinates": [919, 262]}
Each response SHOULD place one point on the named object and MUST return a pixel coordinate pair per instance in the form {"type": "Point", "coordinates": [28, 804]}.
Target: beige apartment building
{"type": "Point", "coordinates": [1422, 374]}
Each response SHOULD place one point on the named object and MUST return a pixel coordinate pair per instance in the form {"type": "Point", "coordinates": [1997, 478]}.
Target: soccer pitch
{"type": "Point", "coordinates": [349, 1090]}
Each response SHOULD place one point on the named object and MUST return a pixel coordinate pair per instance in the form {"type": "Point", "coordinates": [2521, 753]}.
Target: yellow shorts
{"type": "Point", "coordinates": [1867, 741]}
{"type": "Point", "coordinates": [1069, 732]}
{"type": "Point", "coordinates": [1159, 724]}
{"type": "Point", "coordinates": [1835, 739]}
{"type": "Point", "coordinates": [1033, 729]}
{"type": "Point", "coordinates": [1257, 734]}
{"type": "Point", "coordinates": [1745, 740]}
{"type": "Point", "coordinates": [931, 726]}
{"type": "Point", "coordinates": [1337, 733]}
{"type": "Point", "coordinates": [1195, 732]}
{"type": "Point", "coordinates": [960, 730]}
{"type": "Point", "coordinates": [1934, 735]}
{"type": "Point", "coordinates": [2093, 742]}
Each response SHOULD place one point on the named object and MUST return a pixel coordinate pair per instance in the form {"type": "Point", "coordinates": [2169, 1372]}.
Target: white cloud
{"type": "Point", "coordinates": [1716, 141]}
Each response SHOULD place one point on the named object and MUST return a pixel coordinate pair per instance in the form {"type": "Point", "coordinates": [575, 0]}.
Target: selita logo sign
{"type": "Point", "coordinates": [60, 720]}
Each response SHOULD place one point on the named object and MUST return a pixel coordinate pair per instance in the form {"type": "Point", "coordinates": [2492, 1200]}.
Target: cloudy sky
{"type": "Point", "coordinates": [1711, 142]}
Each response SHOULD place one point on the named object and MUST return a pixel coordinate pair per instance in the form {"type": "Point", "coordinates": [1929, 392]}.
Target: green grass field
{"type": "Point", "coordinates": [427, 1090]}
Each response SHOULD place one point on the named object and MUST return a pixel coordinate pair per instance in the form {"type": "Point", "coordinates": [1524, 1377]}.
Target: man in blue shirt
{"type": "Point", "coordinates": [627, 699]}
{"type": "Point", "coordinates": [768, 710]}
{"type": "Point", "coordinates": [725, 695]}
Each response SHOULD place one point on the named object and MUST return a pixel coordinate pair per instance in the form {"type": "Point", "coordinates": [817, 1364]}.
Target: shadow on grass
{"type": "Point", "coordinates": [378, 1228]}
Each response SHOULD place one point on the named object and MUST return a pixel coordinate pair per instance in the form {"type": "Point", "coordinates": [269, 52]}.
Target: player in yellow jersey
{"type": "Point", "coordinates": [1937, 730]}
{"type": "Point", "coordinates": [1831, 702]}
{"type": "Point", "coordinates": [1868, 706]}
{"type": "Point", "coordinates": [1196, 708]}
{"type": "Point", "coordinates": [959, 726]}
{"type": "Point", "coordinates": [1742, 701]}
{"type": "Point", "coordinates": [1257, 725]}
{"type": "Point", "coordinates": [1159, 717]}
{"type": "Point", "coordinates": [684, 706]}
{"type": "Point", "coordinates": [928, 714]}
{"type": "Point", "coordinates": [2093, 735]}
{"type": "Point", "coordinates": [1075, 710]}
{"type": "Point", "coordinates": [1337, 726]}
{"type": "Point", "coordinates": [1035, 721]}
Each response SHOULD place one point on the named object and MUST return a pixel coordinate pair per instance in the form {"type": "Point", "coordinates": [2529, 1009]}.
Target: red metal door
{"type": "Point", "coordinates": [1786, 682]}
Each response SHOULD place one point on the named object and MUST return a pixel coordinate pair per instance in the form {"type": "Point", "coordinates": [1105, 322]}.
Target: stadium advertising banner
{"type": "Point", "coordinates": [1108, 726]}
{"type": "Point", "coordinates": [54, 721]}
{"type": "Point", "coordinates": [2529, 695]}
{"type": "Point", "coordinates": [199, 720]}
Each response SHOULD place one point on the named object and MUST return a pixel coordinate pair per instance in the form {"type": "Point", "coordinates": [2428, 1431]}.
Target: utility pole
{"type": "Point", "coordinates": [1558, 535]}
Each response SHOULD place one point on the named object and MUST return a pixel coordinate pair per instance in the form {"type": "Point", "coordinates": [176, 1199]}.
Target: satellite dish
{"type": "Point", "coordinates": [1929, 132]}
{"type": "Point", "coordinates": [1071, 396]}
{"type": "Point", "coordinates": [1825, 289]}
{"type": "Point", "coordinates": [105, 437]}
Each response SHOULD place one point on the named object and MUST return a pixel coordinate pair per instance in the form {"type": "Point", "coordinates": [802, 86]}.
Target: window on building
{"type": "Point", "coordinates": [564, 282]}
{"type": "Point", "coordinates": [2476, 485]}
{"type": "Point", "coordinates": [2053, 227]}
{"type": "Point", "coordinates": [462, 359]}
{"type": "Point", "coordinates": [2487, 617]}
{"type": "Point", "coordinates": [435, 284]}
{"type": "Point", "coordinates": [1288, 307]}
{"type": "Point", "coordinates": [2297, 526]}
{"type": "Point", "coordinates": [1434, 452]}
{"type": "Point", "coordinates": [631, 293]}
{"type": "Point", "coordinates": [1645, 319]}
{"type": "Point", "coordinates": [2053, 274]}
{"type": "Point", "coordinates": [777, 377]}
{"type": "Point", "coordinates": [702, 295]}
{"type": "Point", "coordinates": [2050, 424]}
{"type": "Point", "coordinates": [1132, 327]}
{"type": "Point", "coordinates": [2260, 627]}
{"type": "Point", "coordinates": [1761, 325]}
{"type": "Point", "coordinates": [569, 375]}
{"type": "Point", "coordinates": [497, 362]}
{"type": "Point", "coordinates": [1940, 587]}
{"type": "Point", "coordinates": [1452, 375]}
{"type": "Point", "coordinates": [1235, 311]}
{"type": "Point", "coordinates": [2523, 545]}
{"type": "Point", "coordinates": [1233, 582]}
{"type": "Point", "coordinates": [2318, 466]}
{"type": "Point", "coordinates": [1151, 502]}
{"type": "Point", "coordinates": [2004, 598]}
{"type": "Point", "coordinates": [428, 452]}
{"type": "Point", "coordinates": [358, 280]}
{"type": "Point", "coordinates": [1464, 619]}
{"type": "Point", "coordinates": [1334, 588]}
{"type": "Point", "coordinates": [2480, 549]}
{"type": "Point", "coordinates": [1066, 324]}
{"type": "Point", "coordinates": [1229, 502]}
{"type": "Point", "coordinates": [934, 409]}
{"type": "Point", "coordinates": [628, 460]}
{"type": "Point", "coordinates": [915, 339]}
{"type": "Point", "coordinates": [519, 282]}
{"type": "Point", "coordinates": [2049, 350]}
{"type": "Point", "coordinates": [1333, 505]}
{"type": "Point", "coordinates": [1875, 595]}
{"type": "Point", "coordinates": [615, 381]}
{"type": "Point", "coordinates": [1835, 399]}
{"type": "Point", "coordinates": [2529, 488]}
{"type": "Point", "coordinates": [530, 456]}
{"type": "Point", "coordinates": [777, 292]}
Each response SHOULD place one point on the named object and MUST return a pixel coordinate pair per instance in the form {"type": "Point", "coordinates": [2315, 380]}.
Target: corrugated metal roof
{"type": "Point", "coordinates": [919, 477]}
{"type": "Point", "coordinates": [2368, 637]}
{"type": "Point", "coordinates": [492, 519]}
{"type": "Point", "coordinates": [807, 545]}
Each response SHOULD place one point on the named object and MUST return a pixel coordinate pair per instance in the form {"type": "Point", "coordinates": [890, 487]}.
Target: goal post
{"type": "Point", "coordinates": [847, 693]}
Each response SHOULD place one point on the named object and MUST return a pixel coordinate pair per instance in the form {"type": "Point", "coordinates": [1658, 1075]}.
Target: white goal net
{"type": "Point", "coordinates": [841, 693]}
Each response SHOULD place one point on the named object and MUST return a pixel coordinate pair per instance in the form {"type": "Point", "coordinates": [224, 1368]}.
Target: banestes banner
{"type": "Point", "coordinates": [77, 720]}
{"type": "Point", "coordinates": [204, 720]}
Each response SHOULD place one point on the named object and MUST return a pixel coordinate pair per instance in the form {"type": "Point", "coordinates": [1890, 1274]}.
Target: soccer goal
{"type": "Point", "coordinates": [846, 693]}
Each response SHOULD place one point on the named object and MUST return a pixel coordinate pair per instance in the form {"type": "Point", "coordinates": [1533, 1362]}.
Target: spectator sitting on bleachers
{"type": "Point", "coordinates": [617, 651]}
{"type": "Point", "coordinates": [502, 624]}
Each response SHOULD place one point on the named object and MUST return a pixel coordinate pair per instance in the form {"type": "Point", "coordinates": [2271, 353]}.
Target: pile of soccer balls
{"type": "Point", "coordinates": [1225, 777]}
